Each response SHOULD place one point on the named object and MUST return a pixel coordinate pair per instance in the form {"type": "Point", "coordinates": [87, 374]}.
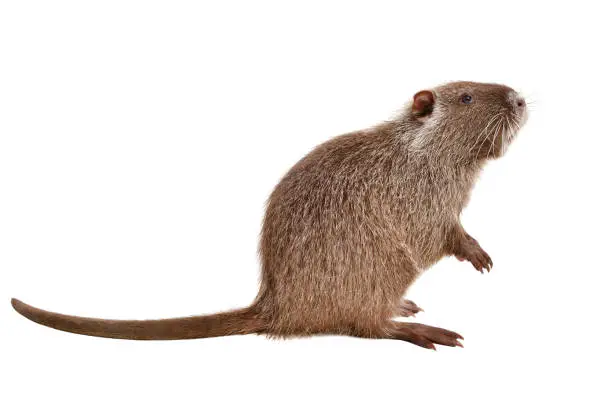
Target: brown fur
{"type": "Point", "coordinates": [353, 224]}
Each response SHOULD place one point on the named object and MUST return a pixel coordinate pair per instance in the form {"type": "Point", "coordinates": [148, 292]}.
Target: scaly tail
{"type": "Point", "coordinates": [240, 321]}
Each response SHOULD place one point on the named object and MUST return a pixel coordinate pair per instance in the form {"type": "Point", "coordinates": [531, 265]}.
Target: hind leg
{"type": "Point", "coordinates": [422, 335]}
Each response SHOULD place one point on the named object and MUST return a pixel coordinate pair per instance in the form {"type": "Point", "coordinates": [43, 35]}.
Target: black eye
{"type": "Point", "coordinates": [466, 99]}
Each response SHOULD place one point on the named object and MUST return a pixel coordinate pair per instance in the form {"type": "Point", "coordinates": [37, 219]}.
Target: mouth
{"type": "Point", "coordinates": [502, 129]}
{"type": "Point", "coordinates": [512, 123]}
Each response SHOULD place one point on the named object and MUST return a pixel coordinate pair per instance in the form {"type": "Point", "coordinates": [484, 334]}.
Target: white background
{"type": "Point", "coordinates": [140, 140]}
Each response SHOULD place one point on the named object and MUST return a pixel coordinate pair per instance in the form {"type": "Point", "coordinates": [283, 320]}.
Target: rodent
{"type": "Point", "coordinates": [351, 226]}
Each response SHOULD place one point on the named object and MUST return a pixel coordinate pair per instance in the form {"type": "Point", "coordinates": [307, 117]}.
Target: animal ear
{"type": "Point", "coordinates": [423, 103]}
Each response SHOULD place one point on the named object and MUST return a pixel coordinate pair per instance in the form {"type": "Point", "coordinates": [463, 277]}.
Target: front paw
{"type": "Point", "coordinates": [477, 256]}
{"type": "Point", "coordinates": [408, 308]}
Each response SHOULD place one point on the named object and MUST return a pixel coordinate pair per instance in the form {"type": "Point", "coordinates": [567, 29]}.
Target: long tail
{"type": "Point", "coordinates": [241, 321]}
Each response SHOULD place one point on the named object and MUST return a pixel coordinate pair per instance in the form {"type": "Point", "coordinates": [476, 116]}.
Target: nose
{"type": "Point", "coordinates": [516, 100]}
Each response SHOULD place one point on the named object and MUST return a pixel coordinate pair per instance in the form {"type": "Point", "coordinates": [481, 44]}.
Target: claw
{"type": "Point", "coordinates": [472, 252]}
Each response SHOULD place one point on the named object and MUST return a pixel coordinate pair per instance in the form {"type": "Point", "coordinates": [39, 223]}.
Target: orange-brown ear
{"type": "Point", "coordinates": [423, 103]}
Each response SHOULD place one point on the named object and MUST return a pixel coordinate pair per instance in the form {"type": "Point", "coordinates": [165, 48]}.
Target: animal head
{"type": "Point", "coordinates": [471, 120]}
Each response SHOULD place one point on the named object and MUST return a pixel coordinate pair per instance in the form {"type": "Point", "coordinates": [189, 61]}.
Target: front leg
{"type": "Point", "coordinates": [408, 308]}
{"type": "Point", "coordinates": [463, 246]}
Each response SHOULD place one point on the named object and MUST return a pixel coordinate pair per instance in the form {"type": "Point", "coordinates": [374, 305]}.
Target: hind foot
{"type": "Point", "coordinates": [424, 336]}
{"type": "Point", "coordinates": [408, 308]}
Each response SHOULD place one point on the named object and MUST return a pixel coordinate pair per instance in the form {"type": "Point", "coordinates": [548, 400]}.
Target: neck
{"type": "Point", "coordinates": [436, 145]}
{"type": "Point", "coordinates": [436, 166]}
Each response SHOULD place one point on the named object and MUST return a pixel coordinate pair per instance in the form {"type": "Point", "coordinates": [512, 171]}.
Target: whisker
{"type": "Point", "coordinates": [494, 137]}
{"type": "Point", "coordinates": [496, 126]}
{"type": "Point", "coordinates": [483, 132]}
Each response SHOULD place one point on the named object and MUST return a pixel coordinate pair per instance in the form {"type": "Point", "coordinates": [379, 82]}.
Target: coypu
{"type": "Point", "coordinates": [352, 225]}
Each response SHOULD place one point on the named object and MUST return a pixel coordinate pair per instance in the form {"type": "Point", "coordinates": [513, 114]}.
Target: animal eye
{"type": "Point", "coordinates": [466, 99]}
